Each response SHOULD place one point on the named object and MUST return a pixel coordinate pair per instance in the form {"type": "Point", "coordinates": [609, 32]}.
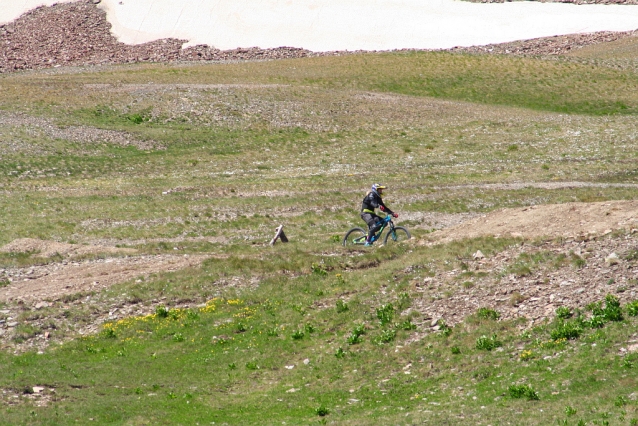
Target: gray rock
{"type": "Point", "coordinates": [478, 255]}
{"type": "Point", "coordinates": [612, 259]}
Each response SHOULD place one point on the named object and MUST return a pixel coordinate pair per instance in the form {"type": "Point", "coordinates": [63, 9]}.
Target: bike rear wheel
{"type": "Point", "coordinates": [355, 237]}
{"type": "Point", "coordinates": [396, 235]}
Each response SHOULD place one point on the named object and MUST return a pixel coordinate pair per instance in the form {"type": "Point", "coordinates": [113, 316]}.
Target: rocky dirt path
{"type": "Point", "coordinates": [569, 220]}
{"type": "Point", "coordinates": [50, 282]}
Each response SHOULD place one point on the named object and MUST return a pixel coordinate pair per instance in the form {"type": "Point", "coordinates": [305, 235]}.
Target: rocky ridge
{"type": "Point", "coordinates": [548, 46]}
{"type": "Point", "coordinates": [78, 34]}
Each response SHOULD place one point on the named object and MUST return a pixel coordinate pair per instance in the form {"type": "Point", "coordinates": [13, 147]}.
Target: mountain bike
{"type": "Point", "coordinates": [357, 236]}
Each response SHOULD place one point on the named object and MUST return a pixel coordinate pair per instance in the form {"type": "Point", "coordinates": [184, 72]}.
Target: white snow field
{"type": "Point", "coordinates": [323, 25]}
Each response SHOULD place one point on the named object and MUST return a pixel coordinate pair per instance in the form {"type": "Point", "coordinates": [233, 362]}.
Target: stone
{"type": "Point", "coordinates": [612, 259]}
{"type": "Point", "coordinates": [478, 255]}
{"type": "Point", "coordinates": [434, 322]}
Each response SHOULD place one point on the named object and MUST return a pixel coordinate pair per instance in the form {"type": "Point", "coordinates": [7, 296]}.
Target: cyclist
{"type": "Point", "coordinates": [372, 201]}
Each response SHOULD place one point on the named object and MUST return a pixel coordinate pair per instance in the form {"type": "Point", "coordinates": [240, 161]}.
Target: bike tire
{"type": "Point", "coordinates": [353, 235]}
{"type": "Point", "coordinates": [396, 235]}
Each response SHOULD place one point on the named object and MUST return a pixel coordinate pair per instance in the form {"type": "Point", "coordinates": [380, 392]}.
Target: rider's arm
{"type": "Point", "coordinates": [385, 209]}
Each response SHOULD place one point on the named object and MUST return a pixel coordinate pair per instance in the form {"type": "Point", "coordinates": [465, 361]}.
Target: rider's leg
{"type": "Point", "coordinates": [374, 225]}
{"type": "Point", "coordinates": [373, 230]}
{"type": "Point", "coordinates": [371, 222]}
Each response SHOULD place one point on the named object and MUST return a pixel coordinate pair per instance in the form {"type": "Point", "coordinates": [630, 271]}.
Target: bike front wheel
{"type": "Point", "coordinates": [355, 237]}
{"type": "Point", "coordinates": [398, 234]}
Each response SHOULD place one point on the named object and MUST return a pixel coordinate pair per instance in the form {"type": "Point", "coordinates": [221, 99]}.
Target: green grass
{"type": "Point", "coordinates": [298, 143]}
{"type": "Point", "coordinates": [222, 363]}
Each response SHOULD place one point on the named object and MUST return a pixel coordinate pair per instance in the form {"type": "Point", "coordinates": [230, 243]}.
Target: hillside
{"type": "Point", "coordinates": [141, 186]}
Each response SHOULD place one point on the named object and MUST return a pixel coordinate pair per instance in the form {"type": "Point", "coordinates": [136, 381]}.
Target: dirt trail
{"type": "Point", "coordinates": [75, 274]}
{"type": "Point", "coordinates": [553, 220]}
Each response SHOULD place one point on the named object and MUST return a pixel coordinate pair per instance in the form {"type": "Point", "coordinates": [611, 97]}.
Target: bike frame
{"type": "Point", "coordinates": [385, 221]}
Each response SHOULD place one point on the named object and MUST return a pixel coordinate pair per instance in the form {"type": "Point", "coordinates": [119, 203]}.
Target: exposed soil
{"type": "Point", "coordinates": [569, 220]}
{"type": "Point", "coordinates": [583, 252]}
{"type": "Point", "coordinates": [53, 248]}
{"type": "Point", "coordinates": [79, 268]}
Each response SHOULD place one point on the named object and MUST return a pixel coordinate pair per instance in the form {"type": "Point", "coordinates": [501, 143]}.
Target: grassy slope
{"type": "Point", "coordinates": [297, 142]}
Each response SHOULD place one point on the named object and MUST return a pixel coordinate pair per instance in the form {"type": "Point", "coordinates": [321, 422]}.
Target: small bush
{"type": "Point", "coordinates": [353, 339]}
{"type": "Point", "coordinates": [341, 306]}
{"type": "Point", "coordinates": [322, 411]}
{"type": "Point", "coordinates": [455, 350]}
{"type": "Point", "coordinates": [161, 312]}
{"type": "Point", "coordinates": [445, 329]}
{"type": "Point", "coordinates": [405, 301]}
{"type": "Point", "coordinates": [578, 262]}
{"type": "Point", "coordinates": [523, 391]}
{"type": "Point", "coordinates": [298, 335]}
{"type": "Point", "coordinates": [355, 336]}
{"type": "Point", "coordinates": [570, 411]}
{"type": "Point", "coordinates": [340, 353]}
{"type": "Point", "coordinates": [596, 321]}
{"type": "Point", "coordinates": [359, 329]}
{"type": "Point", "coordinates": [632, 308]}
{"type": "Point", "coordinates": [318, 269]}
{"type": "Point", "coordinates": [407, 325]}
{"type": "Point", "coordinates": [612, 311]}
{"type": "Point", "coordinates": [385, 313]}
{"type": "Point", "coordinates": [488, 314]}
{"type": "Point", "coordinates": [488, 343]}
{"type": "Point", "coordinates": [621, 401]}
{"type": "Point", "coordinates": [563, 312]}
{"type": "Point", "coordinates": [387, 336]}
{"type": "Point", "coordinates": [109, 333]}
{"type": "Point", "coordinates": [566, 330]}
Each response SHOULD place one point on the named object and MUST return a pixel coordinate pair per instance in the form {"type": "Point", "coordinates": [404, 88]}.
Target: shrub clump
{"type": "Point", "coordinates": [488, 343]}
{"type": "Point", "coordinates": [632, 308]}
{"type": "Point", "coordinates": [523, 391]}
{"type": "Point", "coordinates": [385, 313]}
{"type": "Point", "coordinates": [569, 330]}
{"type": "Point", "coordinates": [563, 312]}
{"type": "Point", "coordinates": [488, 314]}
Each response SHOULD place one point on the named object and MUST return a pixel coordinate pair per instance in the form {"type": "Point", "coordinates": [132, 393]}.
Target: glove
{"type": "Point", "coordinates": [395, 215]}
{"type": "Point", "coordinates": [382, 208]}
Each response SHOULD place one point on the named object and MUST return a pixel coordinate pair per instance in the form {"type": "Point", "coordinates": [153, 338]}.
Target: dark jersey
{"type": "Point", "coordinates": [373, 201]}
